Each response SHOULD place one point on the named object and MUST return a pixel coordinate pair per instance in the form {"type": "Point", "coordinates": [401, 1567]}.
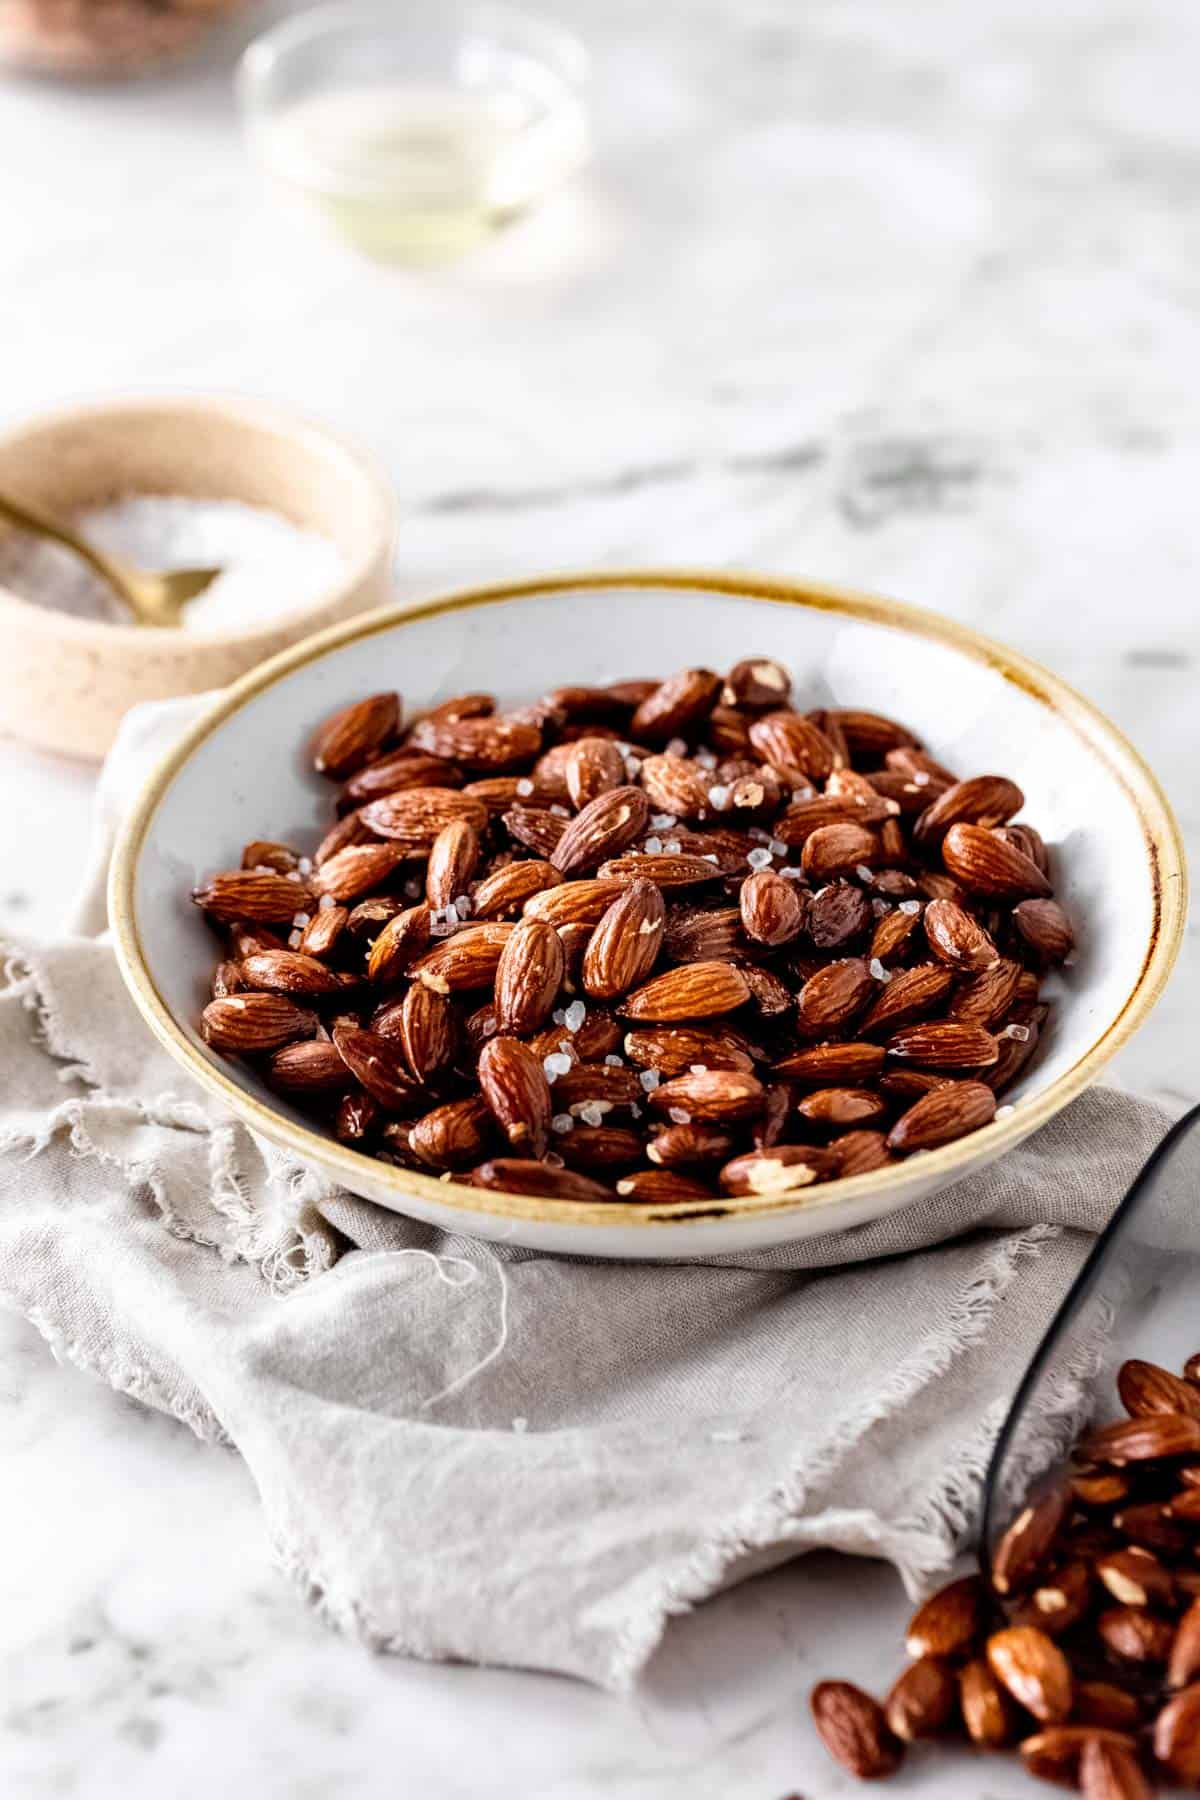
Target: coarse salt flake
{"type": "Point", "coordinates": [560, 812]}
{"type": "Point", "coordinates": [921, 778]}
{"type": "Point", "coordinates": [592, 1112]}
{"type": "Point", "coordinates": [614, 1062]}
{"type": "Point", "coordinates": [649, 1079]}
{"type": "Point", "coordinates": [559, 1016]}
{"type": "Point", "coordinates": [672, 846]}
{"type": "Point", "coordinates": [792, 874]}
{"type": "Point", "coordinates": [877, 970]}
{"type": "Point", "coordinates": [679, 1115]}
{"type": "Point", "coordinates": [553, 1160]}
{"type": "Point", "coordinates": [326, 903]}
{"type": "Point", "coordinates": [662, 821]}
{"type": "Point", "coordinates": [719, 796]}
{"type": "Point", "coordinates": [706, 759]}
{"type": "Point", "coordinates": [863, 873]}
{"type": "Point", "coordinates": [556, 1064]}
{"type": "Point", "coordinates": [293, 875]}
{"type": "Point", "coordinates": [293, 940]}
{"type": "Point", "coordinates": [759, 859]}
{"type": "Point", "coordinates": [305, 865]}
{"type": "Point", "coordinates": [911, 907]}
{"type": "Point", "coordinates": [301, 919]}
{"type": "Point", "coordinates": [464, 906]}
{"type": "Point", "coordinates": [712, 857]}
{"type": "Point", "coordinates": [524, 787]}
{"type": "Point", "coordinates": [759, 835]}
{"type": "Point", "coordinates": [699, 1068]}
{"type": "Point", "coordinates": [677, 747]}
{"type": "Point", "coordinates": [1018, 1033]}
{"type": "Point", "coordinates": [574, 1016]}
{"type": "Point", "coordinates": [1005, 1112]}
{"type": "Point", "coordinates": [777, 847]}
{"type": "Point", "coordinates": [653, 846]}
{"type": "Point", "coordinates": [562, 1122]}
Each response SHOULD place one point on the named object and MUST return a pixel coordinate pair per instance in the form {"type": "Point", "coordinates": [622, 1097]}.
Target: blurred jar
{"type": "Point", "coordinates": [112, 38]}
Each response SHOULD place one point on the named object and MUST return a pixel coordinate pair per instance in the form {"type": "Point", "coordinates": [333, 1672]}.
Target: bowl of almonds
{"type": "Point", "coordinates": [824, 903]}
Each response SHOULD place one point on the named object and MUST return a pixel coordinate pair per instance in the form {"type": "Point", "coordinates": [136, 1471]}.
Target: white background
{"type": "Point", "coordinates": [877, 291]}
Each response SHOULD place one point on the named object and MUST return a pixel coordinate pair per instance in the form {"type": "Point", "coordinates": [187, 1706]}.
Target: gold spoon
{"type": "Point", "coordinates": [153, 597]}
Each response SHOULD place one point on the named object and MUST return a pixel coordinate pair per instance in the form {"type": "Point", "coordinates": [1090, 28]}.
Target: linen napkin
{"type": "Point", "coordinates": [480, 1453]}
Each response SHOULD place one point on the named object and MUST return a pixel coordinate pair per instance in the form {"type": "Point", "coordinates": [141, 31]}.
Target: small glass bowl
{"type": "Point", "coordinates": [416, 130]}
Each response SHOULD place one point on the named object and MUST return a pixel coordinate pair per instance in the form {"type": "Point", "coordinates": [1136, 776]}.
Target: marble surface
{"type": "Point", "coordinates": [892, 294]}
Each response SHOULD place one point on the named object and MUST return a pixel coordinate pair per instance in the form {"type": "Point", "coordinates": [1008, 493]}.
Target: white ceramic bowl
{"type": "Point", "coordinates": [242, 773]}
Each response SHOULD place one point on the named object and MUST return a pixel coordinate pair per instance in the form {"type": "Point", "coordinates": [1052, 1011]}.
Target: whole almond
{"type": "Point", "coordinates": [290, 972]}
{"type": "Point", "coordinates": [1144, 1439]}
{"type": "Point", "coordinates": [676, 705]}
{"type": "Point", "coordinates": [425, 1031]}
{"type": "Point", "coordinates": [939, 1117]}
{"type": "Point", "coordinates": [699, 934]}
{"type": "Point", "coordinates": [948, 1622]}
{"type": "Point", "coordinates": [804, 817]}
{"type": "Point", "coordinates": [1183, 1664]}
{"type": "Point", "coordinates": [625, 944]}
{"type": "Point", "coordinates": [378, 1065]}
{"type": "Point", "coordinates": [350, 737]}
{"type": "Point", "coordinates": [402, 769]}
{"type": "Point", "coordinates": [1177, 1736]}
{"type": "Point", "coordinates": [672, 1050]}
{"type": "Point", "coordinates": [677, 785]}
{"type": "Point", "coordinates": [923, 1699]}
{"type": "Point", "coordinates": [573, 902]}
{"type": "Point", "coordinates": [1101, 1703]}
{"type": "Point", "coordinates": [515, 1175]}
{"type": "Point", "coordinates": [797, 747]}
{"type": "Point", "coordinates": [413, 818]}
{"type": "Point", "coordinates": [1135, 1577]}
{"type": "Point", "coordinates": [245, 1024]}
{"type": "Point", "coordinates": [756, 683]}
{"type": "Point", "coordinates": [1055, 1754]}
{"type": "Point", "coordinates": [715, 1096]}
{"type": "Point", "coordinates": [358, 869]}
{"type": "Point", "coordinates": [528, 976]}
{"type": "Point", "coordinates": [535, 828]}
{"type": "Point", "coordinates": [859, 1153]}
{"type": "Point", "coordinates": [469, 959]}
{"type": "Point", "coordinates": [910, 995]}
{"type": "Point", "coordinates": [600, 1148]}
{"type": "Point", "coordinates": [667, 870]}
{"type": "Point", "coordinates": [347, 831]}
{"type": "Point", "coordinates": [599, 1086]}
{"type": "Point", "coordinates": [689, 1146]}
{"type": "Point", "coordinates": [312, 1067]}
{"type": "Point", "coordinates": [227, 979]}
{"type": "Point", "coordinates": [514, 1085]}
{"type": "Point", "coordinates": [700, 990]}
{"type": "Point", "coordinates": [1033, 1669]}
{"type": "Point", "coordinates": [453, 859]}
{"type": "Point", "coordinates": [594, 766]}
{"type": "Point", "coordinates": [604, 827]}
{"type": "Point", "coordinates": [323, 930]}
{"type": "Point", "coordinates": [982, 800]}
{"type": "Point", "coordinates": [1145, 1388]}
{"type": "Point", "coordinates": [453, 1136]}
{"type": "Point", "coordinates": [893, 935]}
{"type": "Point", "coordinates": [1062, 1598]}
{"type": "Point", "coordinates": [1110, 1772]}
{"type": "Point", "coordinates": [986, 999]}
{"type": "Point", "coordinates": [943, 1044]}
{"type": "Point", "coordinates": [1045, 929]}
{"type": "Point", "coordinates": [261, 897]}
{"type": "Point", "coordinates": [402, 940]}
{"type": "Point", "coordinates": [832, 998]}
{"type": "Point", "coordinates": [837, 850]}
{"type": "Point", "coordinates": [870, 734]}
{"type": "Point", "coordinates": [356, 1117]}
{"type": "Point", "coordinates": [664, 1187]}
{"type": "Point", "coordinates": [910, 761]}
{"type": "Point", "coordinates": [838, 915]}
{"type": "Point", "coordinates": [503, 894]}
{"type": "Point", "coordinates": [1135, 1635]}
{"type": "Point", "coordinates": [827, 1065]}
{"type": "Point", "coordinates": [853, 1729]}
{"type": "Point", "coordinates": [986, 864]}
{"type": "Point", "coordinates": [771, 908]}
{"type": "Point", "coordinates": [485, 746]}
{"type": "Point", "coordinates": [1101, 1487]}
{"type": "Point", "coordinates": [956, 938]}
{"type": "Point", "coordinates": [988, 1714]}
{"type": "Point", "coordinates": [783, 1169]}
{"type": "Point", "coordinates": [263, 854]}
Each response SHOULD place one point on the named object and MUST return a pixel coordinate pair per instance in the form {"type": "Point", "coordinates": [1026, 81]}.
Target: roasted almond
{"type": "Point", "coordinates": [453, 859]}
{"type": "Point", "coordinates": [1135, 1635]}
{"type": "Point", "coordinates": [948, 1112]}
{"type": "Point", "coordinates": [665, 870]}
{"type": "Point", "coordinates": [378, 1066]}
{"type": "Point", "coordinates": [699, 990]}
{"type": "Point", "coordinates": [910, 995]}
{"type": "Point", "coordinates": [246, 1024]}
{"type": "Point", "coordinates": [672, 1050]}
{"type": "Point", "coordinates": [802, 818]}
{"type": "Point", "coordinates": [943, 1044]}
{"type": "Point", "coordinates": [664, 1187]}
{"type": "Point", "coordinates": [986, 999]}
{"type": "Point", "coordinates": [1145, 1388]}
{"type": "Point", "coordinates": [503, 894]}
{"type": "Point", "coordinates": [958, 939]}
{"type": "Point", "coordinates": [1033, 1669]}
{"type": "Point", "coordinates": [453, 1136]}
{"type": "Point", "coordinates": [870, 734]}
{"type": "Point", "coordinates": [982, 800]}
{"type": "Point", "coordinates": [467, 960]}
{"type": "Point", "coordinates": [756, 683]}
{"type": "Point", "coordinates": [625, 944]}
{"type": "Point", "coordinates": [832, 998]}
{"type": "Point", "coordinates": [859, 1153]}
{"type": "Point", "coordinates": [893, 935]}
{"type": "Point", "coordinates": [986, 864]}
{"type": "Point", "coordinates": [290, 972]}
{"type": "Point", "coordinates": [988, 1713]}
{"type": "Point", "coordinates": [1177, 1736]}
{"type": "Point", "coordinates": [1135, 1577]}
{"type": "Point", "coordinates": [1100, 1703]}
{"type": "Point", "coordinates": [350, 737]}
{"type": "Point", "coordinates": [594, 766]}
{"type": "Point", "coordinates": [592, 1090]}
{"type": "Point", "coordinates": [837, 850]}
{"type": "Point", "coordinates": [714, 1096]}
{"type": "Point", "coordinates": [574, 902]}
{"type": "Point", "coordinates": [528, 976]}
{"type": "Point", "coordinates": [323, 930]}
{"type": "Point", "coordinates": [412, 819]}
{"type": "Point", "coordinates": [1045, 929]}
{"type": "Point", "coordinates": [604, 827]}
{"type": "Point", "coordinates": [794, 745]}
{"type": "Point", "coordinates": [783, 1169]}
{"type": "Point", "coordinates": [1144, 1439]}
{"type": "Point", "coordinates": [347, 831]}
{"type": "Point", "coordinates": [923, 1699]}
{"type": "Point", "coordinates": [515, 1175]}
{"type": "Point", "coordinates": [403, 939]}
{"type": "Point", "coordinates": [948, 1622]}
{"type": "Point", "coordinates": [678, 786]}
{"type": "Point", "coordinates": [827, 1065]}
{"type": "Point", "coordinates": [853, 1729]}
{"type": "Point", "coordinates": [514, 1085]}
{"type": "Point", "coordinates": [698, 934]}
{"type": "Point", "coordinates": [402, 769]}
{"type": "Point", "coordinates": [314, 1066]}
{"type": "Point", "coordinates": [1183, 1663]}
{"type": "Point", "coordinates": [602, 1148]}
{"type": "Point", "coordinates": [485, 746]}
{"type": "Point", "coordinates": [1055, 1754]}
{"type": "Point", "coordinates": [260, 896]}
{"type": "Point", "coordinates": [835, 1109]}
{"type": "Point", "coordinates": [838, 915]}
{"type": "Point", "coordinates": [426, 1033]}
{"type": "Point", "coordinates": [264, 854]}
{"type": "Point", "coordinates": [1110, 1772]}
{"type": "Point", "coordinates": [772, 909]}
{"type": "Point", "coordinates": [358, 869]}
{"type": "Point", "coordinates": [689, 1146]}
{"type": "Point", "coordinates": [675, 706]}
{"type": "Point", "coordinates": [535, 828]}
